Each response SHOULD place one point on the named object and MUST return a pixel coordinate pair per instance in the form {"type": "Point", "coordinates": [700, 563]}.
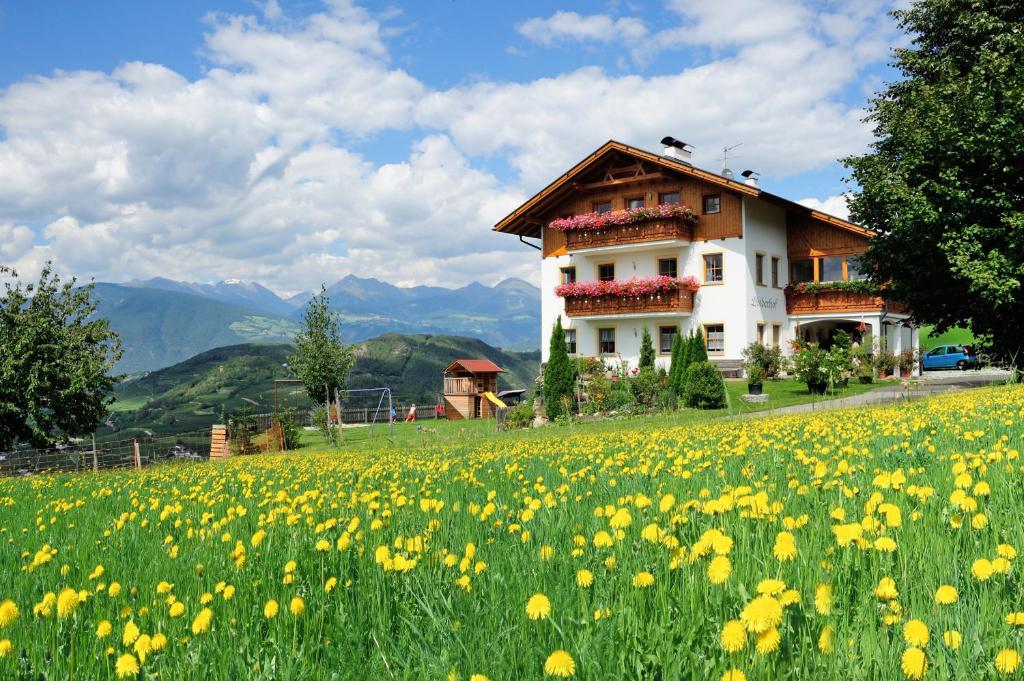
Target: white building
{"type": "Point", "coordinates": [747, 249]}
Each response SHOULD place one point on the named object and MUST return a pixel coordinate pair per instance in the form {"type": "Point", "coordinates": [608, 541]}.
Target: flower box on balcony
{"type": "Point", "coordinates": [635, 296]}
{"type": "Point", "coordinates": [837, 297]}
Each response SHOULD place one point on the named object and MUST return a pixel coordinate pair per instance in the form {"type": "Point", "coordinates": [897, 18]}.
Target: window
{"type": "Point", "coordinates": [775, 271]}
{"type": "Point", "coordinates": [668, 197]}
{"type": "Point", "coordinates": [759, 268]}
{"type": "Point", "coordinates": [714, 337]}
{"type": "Point", "coordinates": [830, 268]}
{"type": "Point", "coordinates": [606, 272]}
{"type": "Point", "coordinates": [570, 341]}
{"type": "Point", "coordinates": [668, 267]}
{"type": "Point", "coordinates": [603, 207]}
{"type": "Point", "coordinates": [776, 335]}
{"type": "Point", "coordinates": [712, 203]}
{"type": "Point", "coordinates": [713, 268]}
{"type": "Point", "coordinates": [606, 341]}
{"type": "Point", "coordinates": [635, 202]}
{"type": "Point", "coordinates": [855, 267]}
{"type": "Point", "coordinates": [801, 270]}
{"type": "Point", "coordinates": [760, 334]}
{"type": "Point", "coordinates": [665, 336]}
{"type": "Point", "coordinates": [568, 275]}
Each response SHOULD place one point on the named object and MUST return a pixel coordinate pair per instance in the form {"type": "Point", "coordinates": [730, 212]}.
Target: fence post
{"type": "Point", "coordinates": [95, 462]}
{"type": "Point", "coordinates": [138, 460]}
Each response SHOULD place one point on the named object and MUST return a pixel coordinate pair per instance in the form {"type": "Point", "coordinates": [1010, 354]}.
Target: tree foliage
{"type": "Point", "coordinates": [675, 369]}
{"type": "Point", "coordinates": [321, 360]}
{"type": "Point", "coordinates": [942, 181]}
{"type": "Point", "coordinates": [704, 387]}
{"type": "Point", "coordinates": [55, 361]}
{"type": "Point", "coordinates": [646, 350]}
{"type": "Point", "coordinates": [559, 374]}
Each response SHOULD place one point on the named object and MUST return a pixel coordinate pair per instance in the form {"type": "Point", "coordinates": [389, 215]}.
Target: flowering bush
{"type": "Point", "coordinates": [624, 217]}
{"type": "Point", "coordinates": [626, 289]}
{"type": "Point", "coordinates": [851, 286]}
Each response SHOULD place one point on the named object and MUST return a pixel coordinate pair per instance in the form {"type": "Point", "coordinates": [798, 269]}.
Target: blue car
{"type": "Point", "coordinates": [950, 357]}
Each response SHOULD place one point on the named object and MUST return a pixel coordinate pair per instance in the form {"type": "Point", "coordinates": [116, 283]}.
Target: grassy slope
{"type": "Point", "coordinates": [929, 341]}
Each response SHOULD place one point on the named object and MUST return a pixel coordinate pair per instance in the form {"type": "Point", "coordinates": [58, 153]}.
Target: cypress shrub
{"type": "Point", "coordinates": [705, 388]}
{"type": "Point", "coordinates": [646, 350]}
{"type": "Point", "coordinates": [559, 374]}
{"type": "Point", "coordinates": [675, 369]}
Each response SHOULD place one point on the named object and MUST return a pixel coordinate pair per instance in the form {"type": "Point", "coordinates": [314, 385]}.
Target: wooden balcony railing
{"type": "Point", "coordinates": [824, 302]}
{"type": "Point", "coordinates": [640, 232]}
{"type": "Point", "coordinates": [459, 386]}
{"type": "Point", "coordinates": [671, 301]}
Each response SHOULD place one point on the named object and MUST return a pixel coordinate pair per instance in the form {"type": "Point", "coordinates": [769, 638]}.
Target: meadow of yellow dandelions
{"type": "Point", "coordinates": [870, 544]}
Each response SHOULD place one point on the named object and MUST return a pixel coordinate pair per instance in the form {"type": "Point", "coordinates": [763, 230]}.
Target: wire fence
{"type": "Point", "coordinates": [76, 457]}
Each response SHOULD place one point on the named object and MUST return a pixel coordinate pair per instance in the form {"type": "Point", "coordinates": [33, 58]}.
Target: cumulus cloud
{"type": "Point", "coordinates": [252, 170]}
{"type": "Point", "coordinates": [833, 205]}
{"type": "Point", "coordinates": [571, 26]}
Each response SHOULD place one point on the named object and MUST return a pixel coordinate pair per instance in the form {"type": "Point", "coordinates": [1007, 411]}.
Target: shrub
{"type": "Point", "coordinates": [705, 388]}
{"type": "Point", "coordinates": [809, 364]}
{"type": "Point", "coordinates": [289, 425]}
{"type": "Point", "coordinates": [645, 386]}
{"type": "Point", "coordinates": [769, 359]}
{"type": "Point", "coordinates": [520, 416]}
{"type": "Point", "coordinates": [646, 350]}
{"type": "Point", "coordinates": [675, 369]}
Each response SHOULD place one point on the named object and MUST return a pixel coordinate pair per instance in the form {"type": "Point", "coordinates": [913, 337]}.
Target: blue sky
{"type": "Point", "coordinates": [141, 136]}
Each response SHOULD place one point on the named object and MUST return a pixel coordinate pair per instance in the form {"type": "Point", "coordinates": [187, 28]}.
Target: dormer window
{"type": "Point", "coordinates": [603, 207]}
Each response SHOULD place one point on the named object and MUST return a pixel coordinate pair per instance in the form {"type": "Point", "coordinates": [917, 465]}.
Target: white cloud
{"type": "Point", "coordinates": [570, 26]}
{"type": "Point", "coordinates": [251, 171]}
{"type": "Point", "coordinates": [833, 205]}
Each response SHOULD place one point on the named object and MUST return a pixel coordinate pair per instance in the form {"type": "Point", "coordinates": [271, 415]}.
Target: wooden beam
{"type": "Point", "coordinates": [624, 180]}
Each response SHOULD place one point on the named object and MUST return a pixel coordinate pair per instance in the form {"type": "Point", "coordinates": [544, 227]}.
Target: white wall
{"type": "Point", "coordinates": [765, 232]}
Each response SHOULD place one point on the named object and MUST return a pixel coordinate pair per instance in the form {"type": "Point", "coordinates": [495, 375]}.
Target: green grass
{"type": "Point", "coordinates": [951, 337]}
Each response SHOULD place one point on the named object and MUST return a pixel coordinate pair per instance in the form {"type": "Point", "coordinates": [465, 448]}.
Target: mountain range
{"type": "Point", "coordinates": [162, 322]}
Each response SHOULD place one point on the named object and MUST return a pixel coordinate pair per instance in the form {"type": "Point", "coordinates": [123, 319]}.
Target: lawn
{"type": "Point", "coordinates": [860, 544]}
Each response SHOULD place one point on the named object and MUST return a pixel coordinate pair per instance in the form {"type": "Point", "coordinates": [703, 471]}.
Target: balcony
{"type": "Point", "coordinates": [459, 386]}
{"type": "Point", "coordinates": [669, 229]}
{"type": "Point", "coordinates": [679, 301]}
{"type": "Point", "coordinates": [837, 302]}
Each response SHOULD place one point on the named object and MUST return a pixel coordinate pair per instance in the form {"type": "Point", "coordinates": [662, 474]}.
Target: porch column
{"type": "Point", "coordinates": [898, 338]}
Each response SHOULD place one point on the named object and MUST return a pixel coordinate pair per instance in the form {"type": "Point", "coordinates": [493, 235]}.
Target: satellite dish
{"type": "Point", "coordinates": [727, 174]}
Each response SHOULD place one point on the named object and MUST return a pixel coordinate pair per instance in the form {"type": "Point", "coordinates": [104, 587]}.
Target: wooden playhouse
{"type": "Point", "coordinates": [469, 389]}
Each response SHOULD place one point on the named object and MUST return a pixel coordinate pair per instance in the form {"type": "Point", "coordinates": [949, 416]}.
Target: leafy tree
{"type": "Point", "coordinates": [941, 182]}
{"type": "Point", "coordinates": [55, 360]}
{"type": "Point", "coordinates": [646, 350]}
{"type": "Point", "coordinates": [559, 374]}
{"type": "Point", "coordinates": [321, 360]}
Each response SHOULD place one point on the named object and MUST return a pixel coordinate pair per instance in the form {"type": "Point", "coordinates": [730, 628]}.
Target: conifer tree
{"type": "Point", "coordinates": [699, 353]}
{"type": "Point", "coordinates": [646, 351]}
{"type": "Point", "coordinates": [559, 374]}
{"type": "Point", "coordinates": [676, 367]}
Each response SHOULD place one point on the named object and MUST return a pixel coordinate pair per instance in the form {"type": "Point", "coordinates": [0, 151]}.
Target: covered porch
{"type": "Point", "coordinates": [877, 332]}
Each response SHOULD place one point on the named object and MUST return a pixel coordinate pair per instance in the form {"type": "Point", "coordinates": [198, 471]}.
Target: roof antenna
{"type": "Point", "coordinates": [726, 173]}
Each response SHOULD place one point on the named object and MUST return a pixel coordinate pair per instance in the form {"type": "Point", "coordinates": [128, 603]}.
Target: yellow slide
{"type": "Point", "coordinates": [494, 398]}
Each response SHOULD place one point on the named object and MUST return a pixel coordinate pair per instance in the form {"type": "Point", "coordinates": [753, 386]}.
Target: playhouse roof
{"type": "Point", "coordinates": [475, 366]}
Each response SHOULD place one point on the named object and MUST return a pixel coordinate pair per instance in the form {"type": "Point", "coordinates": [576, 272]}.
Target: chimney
{"type": "Point", "coordinates": [674, 149]}
{"type": "Point", "coordinates": [750, 177]}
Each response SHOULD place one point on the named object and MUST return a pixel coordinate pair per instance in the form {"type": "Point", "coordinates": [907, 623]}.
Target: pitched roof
{"type": "Point", "coordinates": [475, 366]}
{"type": "Point", "coordinates": [521, 223]}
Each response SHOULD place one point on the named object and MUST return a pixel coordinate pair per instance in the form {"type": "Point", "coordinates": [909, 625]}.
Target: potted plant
{"type": "Point", "coordinates": [755, 376]}
{"type": "Point", "coordinates": [885, 362]}
{"type": "Point", "coordinates": [809, 364]}
{"type": "Point", "coordinates": [862, 367]}
{"type": "Point", "coordinates": [907, 361]}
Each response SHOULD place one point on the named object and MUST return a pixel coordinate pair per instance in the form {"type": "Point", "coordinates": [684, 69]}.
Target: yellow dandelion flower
{"type": "Point", "coordinates": [915, 633]}
{"type": "Point", "coordinates": [560, 663]}
{"type": "Point", "coordinates": [734, 675]}
{"type": "Point", "coordinates": [201, 624]}
{"type": "Point", "coordinates": [1008, 661]}
{"type": "Point", "coordinates": [825, 642]}
{"type": "Point", "coordinates": [914, 663]}
{"type": "Point", "coordinates": [164, 587]}
{"type": "Point", "coordinates": [719, 569]}
{"type": "Point", "coordinates": [946, 595]}
{"type": "Point", "coordinates": [952, 639]}
{"type": "Point", "coordinates": [158, 642]}
{"type": "Point", "coordinates": [1006, 551]}
{"type": "Point", "coordinates": [823, 599]}
{"type": "Point", "coordinates": [270, 609]}
{"type": "Point", "coordinates": [126, 666]}
{"type": "Point", "coordinates": [330, 584]}
{"type": "Point", "coordinates": [297, 606]}
{"type": "Point", "coordinates": [982, 569]}
{"type": "Point", "coordinates": [546, 552]}
{"type": "Point", "coordinates": [177, 609]}
{"type": "Point", "coordinates": [143, 646]}
{"type": "Point", "coordinates": [642, 580]}
{"type": "Point", "coordinates": [584, 578]}
{"type": "Point", "coordinates": [131, 632]}
{"type": "Point", "coordinates": [8, 613]}
{"type": "Point", "coordinates": [768, 641]}
{"type": "Point", "coordinates": [761, 614]}
{"type": "Point", "coordinates": [771, 587]}
{"type": "Point", "coordinates": [789, 597]}
{"type": "Point", "coordinates": [478, 677]}
{"type": "Point", "coordinates": [785, 547]}
{"type": "Point", "coordinates": [886, 589]}
{"type": "Point", "coordinates": [103, 629]}
{"type": "Point", "coordinates": [538, 607]}
{"type": "Point", "coordinates": [5, 647]}
{"type": "Point", "coordinates": [114, 589]}
{"type": "Point", "coordinates": [67, 601]}
{"type": "Point", "coordinates": [621, 520]}
{"type": "Point", "coordinates": [733, 637]}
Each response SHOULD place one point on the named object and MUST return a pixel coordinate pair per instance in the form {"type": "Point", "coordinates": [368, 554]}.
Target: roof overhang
{"type": "Point", "coordinates": [525, 221]}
